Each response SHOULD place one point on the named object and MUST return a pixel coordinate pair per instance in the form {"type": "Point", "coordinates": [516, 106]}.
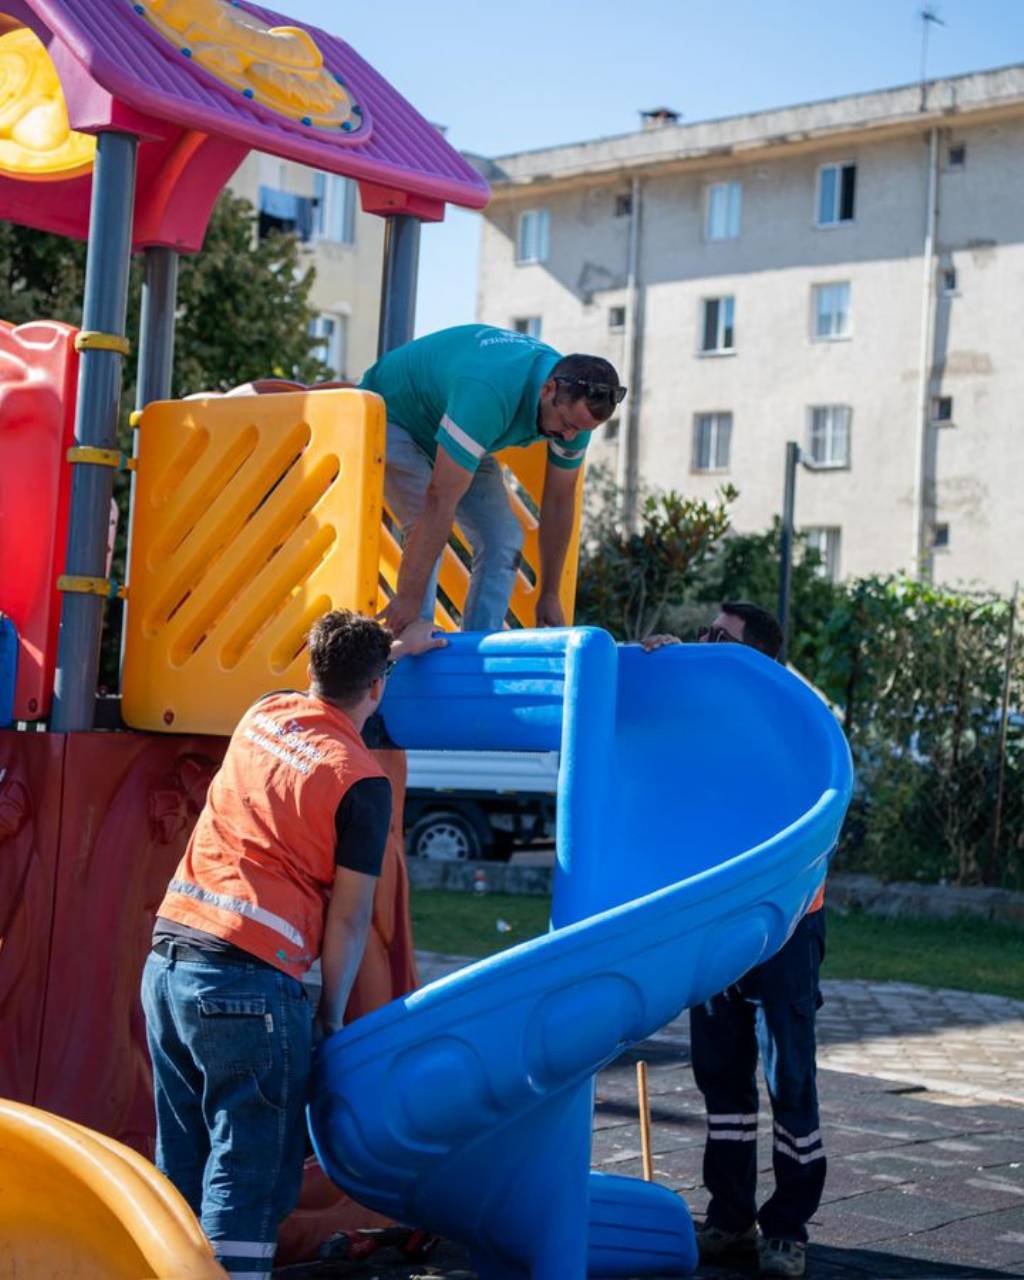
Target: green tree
{"type": "Point", "coordinates": [243, 312]}
{"type": "Point", "coordinates": [745, 566]}
{"type": "Point", "coordinates": [243, 304]}
{"type": "Point", "coordinates": [630, 579]}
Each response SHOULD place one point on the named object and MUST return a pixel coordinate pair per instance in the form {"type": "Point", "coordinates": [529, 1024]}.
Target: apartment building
{"type": "Point", "coordinates": [844, 274]}
{"type": "Point", "coordinates": [344, 244]}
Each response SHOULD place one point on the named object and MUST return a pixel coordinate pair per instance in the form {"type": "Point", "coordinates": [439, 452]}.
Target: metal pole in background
{"type": "Point", "coordinates": [786, 544]}
{"type": "Point", "coordinates": [156, 355]}
{"type": "Point", "coordinates": [398, 287]}
{"type": "Point", "coordinates": [99, 397]}
{"type": "Point", "coordinates": [156, 328]}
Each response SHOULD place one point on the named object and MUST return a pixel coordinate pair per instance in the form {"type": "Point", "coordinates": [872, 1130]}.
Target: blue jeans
{"type": "Point", "coordinates": [484, 515]}
{"type": "Point", "coordinates": [231, 1045]}
{"type": "Point", "coordinates": [770, 1009]}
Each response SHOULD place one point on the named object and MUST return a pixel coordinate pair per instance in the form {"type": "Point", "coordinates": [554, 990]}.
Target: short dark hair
{"type": "Point", "coordinates": [347, 652]}
{"type": "Point", "coordinates": [586, 369]}
{"type": "Point", "coordinates": [761, 629]}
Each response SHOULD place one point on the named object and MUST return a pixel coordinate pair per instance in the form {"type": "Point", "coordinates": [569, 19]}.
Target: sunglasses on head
{"type": "Point", "coordinates": [596, 390]}
{"type": "Point", "coordinates": [716, 635]}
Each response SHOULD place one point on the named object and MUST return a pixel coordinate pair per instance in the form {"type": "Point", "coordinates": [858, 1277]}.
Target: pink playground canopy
{"type": "Point", "coordinates": [120, 69]}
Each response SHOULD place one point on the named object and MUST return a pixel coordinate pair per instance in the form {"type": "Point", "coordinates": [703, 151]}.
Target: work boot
{"type": "Point", "coordinates": [713, 1243]}
{"type": "Point", "coordinates": [781, 1258]}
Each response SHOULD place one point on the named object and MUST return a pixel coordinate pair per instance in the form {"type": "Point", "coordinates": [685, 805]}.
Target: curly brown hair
{"type": "Point", "coordinates": [347, 652]}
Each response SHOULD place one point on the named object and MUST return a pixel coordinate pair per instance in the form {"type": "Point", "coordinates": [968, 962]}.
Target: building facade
{"type": "Point", "coordinates": [843, 274]}
{"type": "Point", "coordinates": [344, 244]}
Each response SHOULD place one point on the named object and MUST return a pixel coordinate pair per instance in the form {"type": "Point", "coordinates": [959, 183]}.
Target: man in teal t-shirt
{"type": "Point", "coordinates": [454, 399]}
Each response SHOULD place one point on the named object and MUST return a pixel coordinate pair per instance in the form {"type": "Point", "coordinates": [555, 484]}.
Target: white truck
{"type": "Point", "coordinates": [478, 804]}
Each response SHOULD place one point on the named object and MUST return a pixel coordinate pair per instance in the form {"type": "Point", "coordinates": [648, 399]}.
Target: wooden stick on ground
{"type": "Point", "coordinates": [645, 1121]}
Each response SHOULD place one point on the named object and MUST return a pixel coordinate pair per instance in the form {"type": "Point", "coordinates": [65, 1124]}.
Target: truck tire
{"type": "Point", "coordinates": [444, 835]}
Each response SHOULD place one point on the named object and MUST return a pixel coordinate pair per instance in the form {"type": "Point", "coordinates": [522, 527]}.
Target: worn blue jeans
{"type": "Point", "coordinates": [771, 1010]}
{"type": "Point", "coordinates": [231, 1046]}
{"type": "Point", "coordinates": [484, 515]}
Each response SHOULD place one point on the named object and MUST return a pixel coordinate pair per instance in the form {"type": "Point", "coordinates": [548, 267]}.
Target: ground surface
{"type": "Point", "coordinates": [922, 1096]}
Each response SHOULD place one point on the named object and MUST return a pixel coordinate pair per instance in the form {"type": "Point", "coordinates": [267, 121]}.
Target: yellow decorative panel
{"type": "Point", "coordinates": [281, 68]}
{"type": "Point", "coordinates": [36, 140]}
{"type": "Point", "coordinates": [253, 516]}
{"type": "Point", "coordinates": [524, 474]}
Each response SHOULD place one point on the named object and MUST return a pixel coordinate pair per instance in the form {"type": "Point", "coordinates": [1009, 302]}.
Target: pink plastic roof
{"type": "Point", "coordinates": [117, 71]}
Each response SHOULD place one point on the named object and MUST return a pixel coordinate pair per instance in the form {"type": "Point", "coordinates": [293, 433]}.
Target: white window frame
{"type": "Point", "coordinates": [716, 421]}
{"type": "Point", "coordinates": [732, 218]}
{"type": "Point", "coordinates": [333, 345]}
{"type": "Point", "coordinates": [836, 166]}
{"type": "Point", "coordinates": [529, 325]}
{"type": "Point", "coordinates": [726, 320]}
{"type": "Point", "coordinates": [827, 540]}
{"type": "Point", "coordinates": [532, 248]}
{"type": "Point", "coordinates": [335, 201]}
{"type": "Point", "coordinates": [816, 290]}
{"type": "Point", "coordinates": [830, 425]}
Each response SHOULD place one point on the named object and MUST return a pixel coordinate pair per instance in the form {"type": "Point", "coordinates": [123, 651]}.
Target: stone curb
{"type": "Point", "coordinates": [845, 891]}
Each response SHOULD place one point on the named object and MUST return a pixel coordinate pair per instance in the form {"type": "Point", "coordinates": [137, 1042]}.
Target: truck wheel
{"type": "Point", "coordinates": [444, 836]}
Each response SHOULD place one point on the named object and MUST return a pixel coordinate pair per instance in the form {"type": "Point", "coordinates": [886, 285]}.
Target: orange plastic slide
{"type": "Point", "coordinates": [74, 1203]}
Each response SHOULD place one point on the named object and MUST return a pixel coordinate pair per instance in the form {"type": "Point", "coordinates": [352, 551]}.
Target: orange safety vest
{"type": "Point", "coordinates": [259, 867]}
{"type": "Point", "coordinates": [819, 901]}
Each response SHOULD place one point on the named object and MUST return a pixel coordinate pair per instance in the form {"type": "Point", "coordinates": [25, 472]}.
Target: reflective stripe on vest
{"type": "Point", "coordinates": [241, 908]}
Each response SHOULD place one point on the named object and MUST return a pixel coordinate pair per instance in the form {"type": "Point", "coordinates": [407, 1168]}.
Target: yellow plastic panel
{"type": "Point", "coordinates": [75, 1203]}
{"type": "Point", "coordinates": [36, 140]}
{"type": "Point", "coordinates": [279, 67]}
{"type": "Point", "coordinates": [253, 516]}
{"type": "Point", "coordinates": [524, 474]}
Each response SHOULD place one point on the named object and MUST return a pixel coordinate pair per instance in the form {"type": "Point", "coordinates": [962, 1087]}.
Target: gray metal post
{"type": "Point", "coordinates": [786, 543]}
{"type": "Point", "coordinates": [99, 396]}
{"type": "Point", "coordinates": [156, 328]}
{"type": "Point", "coordinates": [398, 287]}
{"type": "Point", "coordinates": [155, 366]}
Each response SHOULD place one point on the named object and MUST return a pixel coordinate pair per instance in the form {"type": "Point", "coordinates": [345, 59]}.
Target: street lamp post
{"type": "Point", "coordinates": [786, 543]}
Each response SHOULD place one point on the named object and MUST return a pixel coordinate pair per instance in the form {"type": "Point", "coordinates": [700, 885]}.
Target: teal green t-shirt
{"type": "Point", "coordinates": [470, 390]}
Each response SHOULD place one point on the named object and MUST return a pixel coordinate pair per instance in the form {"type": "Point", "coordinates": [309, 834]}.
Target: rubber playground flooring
{"type": "Point", "coordinates": [920, 1185]}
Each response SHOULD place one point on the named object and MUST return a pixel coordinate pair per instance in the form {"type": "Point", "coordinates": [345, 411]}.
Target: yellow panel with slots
{"type": "Point", "coordinates": [253, 516]}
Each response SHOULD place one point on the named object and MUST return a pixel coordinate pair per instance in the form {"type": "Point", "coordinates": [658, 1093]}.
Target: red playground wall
{"type": "Point", "coordinates": [91, 828]}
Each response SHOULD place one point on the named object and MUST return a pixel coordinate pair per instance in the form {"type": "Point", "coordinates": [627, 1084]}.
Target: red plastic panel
{"type": "Point", "coordinates": [130, 801]}
{"type": "Point", "coordinates": [31, 777]}
{"type": "Point", "coordinates": [38, 381]}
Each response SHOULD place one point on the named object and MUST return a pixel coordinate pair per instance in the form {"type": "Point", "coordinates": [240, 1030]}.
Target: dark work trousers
{"type": "Point", "coordinates": [771, 1009]}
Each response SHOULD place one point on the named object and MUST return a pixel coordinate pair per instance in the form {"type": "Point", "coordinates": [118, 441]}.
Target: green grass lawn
{"type": "Point", "coordinates": [965, 954]}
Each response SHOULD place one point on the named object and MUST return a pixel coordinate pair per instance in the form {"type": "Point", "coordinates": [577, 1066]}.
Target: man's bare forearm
{"type": "Point", "coordinates": [426, 542]}
{"type": "Point", "coordinates": [342, 954]}
{"type": "Point", "coordinates": [556, 521]}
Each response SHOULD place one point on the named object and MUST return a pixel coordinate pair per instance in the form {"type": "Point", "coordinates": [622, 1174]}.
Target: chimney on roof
{"type": "Point", "coordinates": [658, 117]}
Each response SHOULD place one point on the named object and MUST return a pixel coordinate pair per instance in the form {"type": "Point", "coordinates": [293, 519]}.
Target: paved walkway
{"type": "Point", "coordinates": [915, 1190]}
{"type": "Point", "coordinates": [951, 1043]}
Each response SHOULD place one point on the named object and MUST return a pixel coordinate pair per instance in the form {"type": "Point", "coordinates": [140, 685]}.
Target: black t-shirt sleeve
{"type": "Point", "coordinates": [361, 824]}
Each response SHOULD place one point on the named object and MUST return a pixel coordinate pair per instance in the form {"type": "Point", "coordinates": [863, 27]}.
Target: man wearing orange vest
{"type": "Point", "coordinates": [772, 1009]}
{"type": "Point", "coordinates": [279, 872]}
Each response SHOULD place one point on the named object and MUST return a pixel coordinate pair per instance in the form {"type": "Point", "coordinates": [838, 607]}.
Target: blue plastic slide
{"type": "Point", "coordinates": [701, 793]}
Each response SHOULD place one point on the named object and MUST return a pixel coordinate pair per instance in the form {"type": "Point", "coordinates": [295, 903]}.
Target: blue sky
{"type": "Point", "coordinates": [505, 77]}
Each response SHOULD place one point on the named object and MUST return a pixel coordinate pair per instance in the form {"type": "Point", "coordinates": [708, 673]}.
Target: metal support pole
{"type": "Point", "coordinates": [155, 366]}
{"type": "Point", "coordinates": [156, 328]}
{"type": "Point", "coordinates": [786, 544]}
{"type": "Point", "coordinates": [398, 287]}
{"type": "Point", "coordinates": [96, 413]}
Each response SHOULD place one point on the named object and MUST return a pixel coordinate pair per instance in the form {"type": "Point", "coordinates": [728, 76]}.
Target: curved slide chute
{"type": "Point", "coordinates": [701, 793]}
{"type": "Point", "coordinates": [76, 1203]}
